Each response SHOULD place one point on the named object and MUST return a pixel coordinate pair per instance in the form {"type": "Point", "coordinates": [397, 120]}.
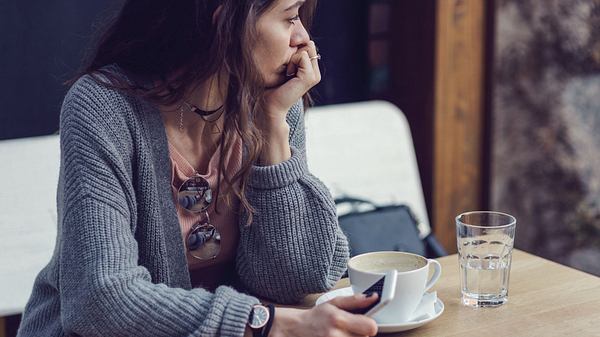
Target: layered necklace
{"type": "Point", "coordinates": [209, 116]}
{"type": "Point", "coordinates": [203, 241]}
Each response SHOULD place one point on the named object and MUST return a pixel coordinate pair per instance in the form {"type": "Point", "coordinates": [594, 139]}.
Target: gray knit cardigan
{"type": "Point", "coordinates": [119, 266]}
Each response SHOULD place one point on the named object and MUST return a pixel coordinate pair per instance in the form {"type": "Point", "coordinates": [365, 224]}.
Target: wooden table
{"type": "Point", "coordinates": [545, 299]}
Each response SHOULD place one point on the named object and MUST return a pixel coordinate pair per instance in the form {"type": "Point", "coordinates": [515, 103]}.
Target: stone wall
{"type": "Point", "coordinates": [546, 126]}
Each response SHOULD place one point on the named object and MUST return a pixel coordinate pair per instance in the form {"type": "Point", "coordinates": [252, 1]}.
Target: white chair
{"type": "Point", "coordinates": [365, 150]}
{"type": "Point", "coordinates": [28, 177]}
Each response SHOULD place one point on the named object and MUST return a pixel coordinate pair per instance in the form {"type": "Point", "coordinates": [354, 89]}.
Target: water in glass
{"type": "Point", "coordinates": [485, 242]}
{"type": "Point", "coordinates": [484, 279]}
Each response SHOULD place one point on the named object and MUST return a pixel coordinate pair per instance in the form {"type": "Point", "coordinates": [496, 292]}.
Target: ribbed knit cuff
{"type": "Point", "coordinates": [236, 313]}
{"type": "Point", "coordinates": [279, 175]}
{"type": "Point", "coordinates": [340, 260]}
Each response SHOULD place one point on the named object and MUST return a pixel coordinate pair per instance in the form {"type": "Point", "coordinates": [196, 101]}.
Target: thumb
{"type": "Point", "coordinates": [350, 303]}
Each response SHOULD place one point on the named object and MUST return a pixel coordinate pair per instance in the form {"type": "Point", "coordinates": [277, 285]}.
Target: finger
{"type": "Point", "coordinates": [350, 303]}
{"type": "Point", "coordinates": [316, 68]}
{"type": "Point", "coordinates": [311, 48]}
{"type": "Point", "coordinates": [304, 71]}
{"type": "Point", "coordinates": [356, 324]}
{"type": "Point", "coordinates": [313, 52]}
{"type": "Point", "coordinates": [301, 81]}
{"type": "Point", "coordinates": [298, 61]}
{"type": "Point", "coordinates": [305, 66]}
{"type": "Point", "coordinates": [291, 66]}
{"type": "Point", "coordinates": [357, 335]}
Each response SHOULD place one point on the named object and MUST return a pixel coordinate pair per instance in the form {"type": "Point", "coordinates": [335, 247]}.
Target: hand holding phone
{"type": "Point", "coordinates": [385, 288]}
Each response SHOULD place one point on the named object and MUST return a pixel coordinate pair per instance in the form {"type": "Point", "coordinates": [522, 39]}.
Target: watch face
{"type": "Point", "coordinates": [260, 317]}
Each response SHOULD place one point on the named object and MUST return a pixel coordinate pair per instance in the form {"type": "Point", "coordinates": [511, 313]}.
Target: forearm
{"type": "Point", "coordinates": [105, 293]}
{"type": "Point", "coordinates": [151, 310]}
{"type": "Point", "coordinates": [277, 148]}
{"type": "Point", "coordinates": [294, 245]}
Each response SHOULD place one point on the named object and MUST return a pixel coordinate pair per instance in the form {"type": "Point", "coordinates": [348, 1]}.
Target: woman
{"type": "Point", "coordinates": [183, 175]}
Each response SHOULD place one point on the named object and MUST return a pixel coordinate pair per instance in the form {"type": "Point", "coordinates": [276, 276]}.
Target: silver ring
{"type": "Point", "coordinates": [316, 57]}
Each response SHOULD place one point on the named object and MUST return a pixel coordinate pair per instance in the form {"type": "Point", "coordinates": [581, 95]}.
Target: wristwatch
{"type": "Point", "coordinates": [261, 319]}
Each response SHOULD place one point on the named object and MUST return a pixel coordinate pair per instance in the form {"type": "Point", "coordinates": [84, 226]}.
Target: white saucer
{"type": "Point", "coordinates": [394, 327]}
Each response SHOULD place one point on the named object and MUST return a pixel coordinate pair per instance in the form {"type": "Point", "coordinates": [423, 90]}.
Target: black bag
{"type": "Point", "coordinates": [392, 227]}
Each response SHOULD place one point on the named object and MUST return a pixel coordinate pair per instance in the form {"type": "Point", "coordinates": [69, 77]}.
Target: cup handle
{"type": "Point", "coordinates": [436, 273]}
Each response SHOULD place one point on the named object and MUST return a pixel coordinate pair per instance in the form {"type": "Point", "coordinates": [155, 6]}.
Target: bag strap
{"type": "Point", "coordinates": [356, 205]}
{"type": "Point", "coordinates": [353, 200]}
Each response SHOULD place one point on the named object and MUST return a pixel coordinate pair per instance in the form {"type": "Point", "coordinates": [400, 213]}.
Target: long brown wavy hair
{"type": "Point", "coordinates": [176, 45]}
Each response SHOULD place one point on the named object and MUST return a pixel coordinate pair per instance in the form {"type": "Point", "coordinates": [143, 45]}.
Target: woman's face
{"type": "Point", "coordinates": [280, 35]}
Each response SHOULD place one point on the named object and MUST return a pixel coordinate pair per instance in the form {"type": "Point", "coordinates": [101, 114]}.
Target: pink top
{"type": "Point", "coordinates": [209, 274]}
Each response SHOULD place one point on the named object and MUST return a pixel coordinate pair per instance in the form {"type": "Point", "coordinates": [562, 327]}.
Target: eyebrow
{"type": "Point", "coordinates": [297, 4]}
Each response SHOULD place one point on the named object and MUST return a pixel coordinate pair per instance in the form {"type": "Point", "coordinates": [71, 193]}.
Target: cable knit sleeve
{"type": "Point", "coordinates": [294, 246]}
{"type": "Point", "coordinates": [103, 290]}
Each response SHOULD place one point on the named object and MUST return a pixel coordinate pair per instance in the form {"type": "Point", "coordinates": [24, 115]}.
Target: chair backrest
{"type": "Point", "coordinates": [28, 177]}
{"type": "Point", "coordinates": [366, 150]}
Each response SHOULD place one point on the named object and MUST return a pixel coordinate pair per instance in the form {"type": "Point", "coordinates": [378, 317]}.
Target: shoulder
{"type": "Point", "coordinates": [100, 116]}
{"type": "Point", "coordinates": [93, 91]}
{"type": "Point", "coordinates": [91, 99]}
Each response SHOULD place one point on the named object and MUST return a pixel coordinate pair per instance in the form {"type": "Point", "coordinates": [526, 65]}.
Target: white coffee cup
{"type": "Point", "coordinates": [411, 283]}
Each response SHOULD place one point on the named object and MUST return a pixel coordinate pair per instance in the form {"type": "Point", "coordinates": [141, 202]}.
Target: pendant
{"type": "Point", "coordinates": [195, 195]}
{"type": "Point", "coordinates": [204, 241]}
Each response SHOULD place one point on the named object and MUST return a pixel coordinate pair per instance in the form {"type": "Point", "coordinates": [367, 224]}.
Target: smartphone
{"type": "Point", "coordinates": [385, 288]}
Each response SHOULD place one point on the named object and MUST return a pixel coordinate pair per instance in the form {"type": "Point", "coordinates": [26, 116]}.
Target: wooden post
{"type": "Point", "coordinates": [458, 114]}
{"type": "Point", "coordinates": [2, 327]}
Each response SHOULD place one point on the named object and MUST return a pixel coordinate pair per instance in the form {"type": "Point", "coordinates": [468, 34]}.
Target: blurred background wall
{"type": "Point", "coordinates": [41, 45]}
{"type": "Point", "coordinates": [546, 134]}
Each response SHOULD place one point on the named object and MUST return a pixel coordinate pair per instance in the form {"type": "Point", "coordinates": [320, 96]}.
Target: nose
{"type": "Point", "coordinates": [299, 35]}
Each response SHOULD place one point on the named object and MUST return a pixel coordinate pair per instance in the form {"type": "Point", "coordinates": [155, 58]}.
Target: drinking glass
{"type": "Point", "coordinates": [485, 241]}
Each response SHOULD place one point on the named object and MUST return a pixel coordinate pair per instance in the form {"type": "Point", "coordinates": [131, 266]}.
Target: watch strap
{"type": "Point", "coordinates": [266, 329]}
{"type": "Point", "coordinates": [269, 325]}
